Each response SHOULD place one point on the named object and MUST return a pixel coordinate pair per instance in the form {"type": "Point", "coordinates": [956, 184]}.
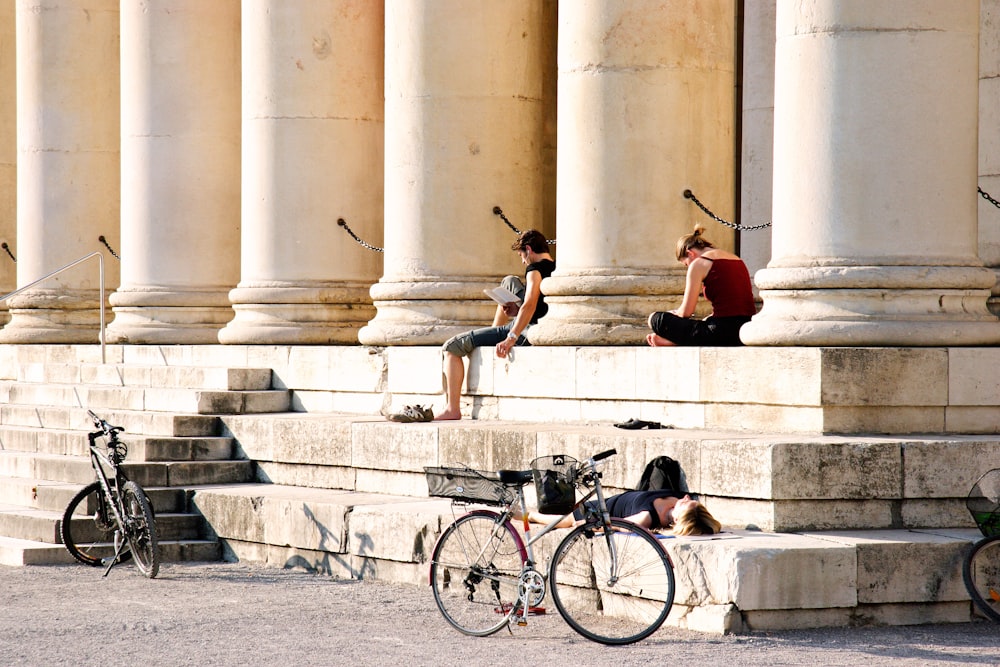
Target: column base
{"type": "Point", "coordinates": [426, 313]}
{"type": "Point", "coordinates": [874, 306]}
{"type": "Point", "coordinates": [159, 316]}
{"type": "Point", "coordinates": [298, 314]}
{"type": "Point", "coordinates": [53, 316]}
{"type": "Point", "coordinates": [603, 309]}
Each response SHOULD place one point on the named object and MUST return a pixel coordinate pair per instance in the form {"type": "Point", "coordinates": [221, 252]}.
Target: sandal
{"type": "Point", "coordinates": [412, 413]}
{"type": "Point", "coordinates": [634, 424]}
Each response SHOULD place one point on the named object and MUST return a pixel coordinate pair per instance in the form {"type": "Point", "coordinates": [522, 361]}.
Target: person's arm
{"type": "Point", "coordinates": [524, 314]}
{"type": "Point", "coordinates": [641, 519]}
{"type": "Point", "coordinates": [696, 273]}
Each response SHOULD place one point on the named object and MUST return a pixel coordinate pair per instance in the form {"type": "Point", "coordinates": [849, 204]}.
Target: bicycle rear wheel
{"type": "Point", "coordinates": [140, 529]}
{"type": "Point", "coordinates": [88, 527]}
{"type": "Point", "coordinates": [614, 588]}
{"type": "Point", "coordinates": [475, 569]}
{"type": "Point", "coordinates": [981, 572]}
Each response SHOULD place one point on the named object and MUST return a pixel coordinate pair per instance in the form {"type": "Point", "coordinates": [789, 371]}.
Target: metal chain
{"type": "Point", "coordinates": [342, 223]}
{"type": "Point", "coordinates": [7, 248]}
{"type": "Point", "coordinates": [499, 211]}
{"type": "Point", "coordinates": [108, 246]}
{"type": "Point", "coordinates": [988, 198]}
{"type": "Point", "coordinates": [690, 195]}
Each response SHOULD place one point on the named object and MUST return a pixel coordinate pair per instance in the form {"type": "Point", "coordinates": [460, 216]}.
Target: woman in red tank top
{"type": "Point", "coordinates": [725, 282]}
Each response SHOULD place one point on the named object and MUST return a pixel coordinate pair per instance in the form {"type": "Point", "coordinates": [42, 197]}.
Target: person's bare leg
{"type": "Point", "coordinates": [454, 374]}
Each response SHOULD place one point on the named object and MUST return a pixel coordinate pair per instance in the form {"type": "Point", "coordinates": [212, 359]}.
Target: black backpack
{"type": "Point", "coordinates": [662, 473]}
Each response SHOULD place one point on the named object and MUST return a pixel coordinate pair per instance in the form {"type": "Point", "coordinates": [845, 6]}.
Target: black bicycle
{"type": "Point", "coordinates": [111, 520]}
{"type": "Point", "coordinates": [981, 569]}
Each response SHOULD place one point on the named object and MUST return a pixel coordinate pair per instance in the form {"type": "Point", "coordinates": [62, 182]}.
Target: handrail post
{"type": "Point", "coordinates": [100, 261]}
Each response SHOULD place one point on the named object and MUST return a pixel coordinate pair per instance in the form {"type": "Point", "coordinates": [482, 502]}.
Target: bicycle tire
{"type": "Point", "coordinates": [981, 573]}
{"type": "Point", "coordinates": [88, 529]}
{"type": "Point", "coordinates": [140, 529]}
{"type": "Point", "coordinates": [475, 572]}
{"type": "Point", "coordinates": [612, 608]}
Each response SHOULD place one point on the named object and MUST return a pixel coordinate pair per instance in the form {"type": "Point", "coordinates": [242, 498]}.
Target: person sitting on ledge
{"type": "Point", "coordinates": [649, 509]}
{"type": "Point", "coordinates": [726, 283]}
{"type": "Point", "coordinates": [506, 332]}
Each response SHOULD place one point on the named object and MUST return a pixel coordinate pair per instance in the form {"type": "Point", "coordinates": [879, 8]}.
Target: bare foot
{"type": "Point", "coordinates": [658, 341]}
{"type": "Point", "coordinates": [447, 415]}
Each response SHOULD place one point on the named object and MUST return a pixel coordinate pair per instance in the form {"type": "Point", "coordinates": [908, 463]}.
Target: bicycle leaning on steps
{"type": "Point", "coordinates": [610, 579]}
{"type": "Point", "coordinates": [981, 568]}
{"type": "Point", "coordinates": [111, 520]}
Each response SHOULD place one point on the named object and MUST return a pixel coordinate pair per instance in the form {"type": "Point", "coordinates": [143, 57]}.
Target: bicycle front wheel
{"type": "Point", "coordinates": [140, 529]}
{"type": "Point", "coordinates": [475, 569]}
{"type": "Point", "coordinates": [981, 572]}
{"type": "Point", "coordinates": [612, 588]}
{"type": "Point", "coordinates": [88, 527]}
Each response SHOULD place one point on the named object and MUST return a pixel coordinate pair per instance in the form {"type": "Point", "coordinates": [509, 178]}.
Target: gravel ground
{"type": "Point", "coordinates": [246, 615]}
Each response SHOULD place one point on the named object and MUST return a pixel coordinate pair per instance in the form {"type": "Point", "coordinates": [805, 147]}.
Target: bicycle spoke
{"type": "Point", "coordinates": [612, 597]}
{"type": "Point", "coordinates": [474, 573]}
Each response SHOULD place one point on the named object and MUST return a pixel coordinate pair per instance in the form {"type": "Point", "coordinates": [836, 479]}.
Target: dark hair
{"type": "Point", "coordinates": [692, 240]}
{"type": "Point", "coordinates": [531, 238]}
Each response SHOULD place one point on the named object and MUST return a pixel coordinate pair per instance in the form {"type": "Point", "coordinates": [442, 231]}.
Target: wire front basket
{"type": "Point", "coordinates": [467, 485]}
{"type": "Point", "coordinates": [984, 503]}
{"type": "Point", "coordinates": [555, 483]}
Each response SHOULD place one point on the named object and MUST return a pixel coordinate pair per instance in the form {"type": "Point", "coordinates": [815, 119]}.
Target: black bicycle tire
{"type": "Point", "coordinates": [141, 529]}
{"type": "Point", "coordinates": [988, 550]}
{"type": "Point", "coordinates": [485, 616]}
{"type": "Point", "coordinates": [72, 530]}
{"type": "Point", "coordinates": [583, 600]}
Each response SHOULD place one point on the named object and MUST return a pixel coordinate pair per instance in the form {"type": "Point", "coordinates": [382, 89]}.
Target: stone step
{"type": "Point", "coordinates": [17, 552]}
{"type": "Point", "coordinates": [134, 375]}
{"type": "Point", "coordinates": [155, 399]}
{"type": "Point", "coordinates": [44, 525]}
{"type": "Point", "coordinates": [140, 447]}
{"type": "Point", "coordinates": [133, 421]}
{"type": "Point", "coordinates": [77, 470]}
{"type": "Point", "coordinates": [738, 581]}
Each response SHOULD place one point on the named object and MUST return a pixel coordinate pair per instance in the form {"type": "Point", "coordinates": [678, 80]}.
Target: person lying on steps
{"type": "Point", "coordinates": [649, 509]}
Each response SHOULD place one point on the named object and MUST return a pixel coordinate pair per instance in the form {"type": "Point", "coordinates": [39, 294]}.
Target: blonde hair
{"type": "Point", "coordinates": [696, 521]}
{"type": "Point", "coordinates": [692, 240]}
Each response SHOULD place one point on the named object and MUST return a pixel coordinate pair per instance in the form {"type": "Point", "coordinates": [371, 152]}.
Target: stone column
{"type": "Point", "coordinates": [8, 151]}
{"type": "Point", "coordinates": [180, 170]}
{"type": "Point", "coordinates": [989, 141]}
{"type": "Point", "coordinates": [646, 110]}
{"type": "Point", "coordinates": [312, 152]}
{"type": "Point", "coordinates": [468, 126]}
{"type": "Point", "coordinates": [875, 150]}
{"type": "Point", "coordinates": [67, 165]}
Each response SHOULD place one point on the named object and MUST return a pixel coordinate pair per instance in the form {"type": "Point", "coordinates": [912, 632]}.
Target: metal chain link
{"type": "Point", "coordinates": [499, 211]}
{"type": "Point", "coordinates": [7, 248]}
{"type": "Point", "coordinates": [342, 223]}
{"type": "Point", "coordinates": [988, 198]}
{"type": "Point", "coordinates": [743, 228]}
{"type": "Point", "coordinates": [108, 246]}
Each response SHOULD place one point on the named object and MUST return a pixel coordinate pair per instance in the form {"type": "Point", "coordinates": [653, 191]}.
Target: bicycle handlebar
{"type": "Point", "coordinates": [105, 428]}
{"type": "Point", "coordinates": [604, 455]}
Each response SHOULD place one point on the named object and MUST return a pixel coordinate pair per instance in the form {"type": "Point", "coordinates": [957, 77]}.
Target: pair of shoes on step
{"type": "Point", "coordinates": [412, 413]}
{"type": "Point", "coordinates": [635, 424]}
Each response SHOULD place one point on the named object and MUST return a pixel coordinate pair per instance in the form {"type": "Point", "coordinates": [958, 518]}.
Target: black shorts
{"type": "Point", "coordinates": [711, 331]}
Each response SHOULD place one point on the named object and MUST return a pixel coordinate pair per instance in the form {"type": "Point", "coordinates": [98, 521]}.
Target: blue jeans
{"type": "Point", "coordinates": [462, 345]}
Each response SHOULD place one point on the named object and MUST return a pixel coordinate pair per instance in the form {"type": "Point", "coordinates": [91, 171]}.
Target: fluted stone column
{"type": "Point", "coordinates": [646, 110]}
{"type": "Point", "coordinates": [312, 152]}
{"type": "Point", "coordinates": [989, 141]}
{"type": "Point", "coordinates": [8, 150]}
{"type": "Point", "coordinates": [180, 170]}
{"type": "Point", "coordinates": [67, 165]}
{"type": "Point", "coordinates": [468, 126]}
{"type": "Point", "coordinates": [875, 237]}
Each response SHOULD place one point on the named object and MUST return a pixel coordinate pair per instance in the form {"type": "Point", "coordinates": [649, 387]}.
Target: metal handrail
{"type": "Point", "coordinates": [100, 261]}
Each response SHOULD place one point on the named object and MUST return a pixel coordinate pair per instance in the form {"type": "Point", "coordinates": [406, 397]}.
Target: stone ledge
{"type": "Point", "coordinates": [736, 581]}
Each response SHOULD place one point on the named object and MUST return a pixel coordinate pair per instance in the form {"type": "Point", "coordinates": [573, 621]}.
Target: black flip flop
{"type": "Point", "coordinates": [634, 424]}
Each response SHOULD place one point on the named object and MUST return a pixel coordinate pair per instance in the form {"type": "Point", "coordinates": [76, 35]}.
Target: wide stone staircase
{"type": "Point", "coordinates": [279, 456]}
{"type": "Point", "coordinates": [174, 437]}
